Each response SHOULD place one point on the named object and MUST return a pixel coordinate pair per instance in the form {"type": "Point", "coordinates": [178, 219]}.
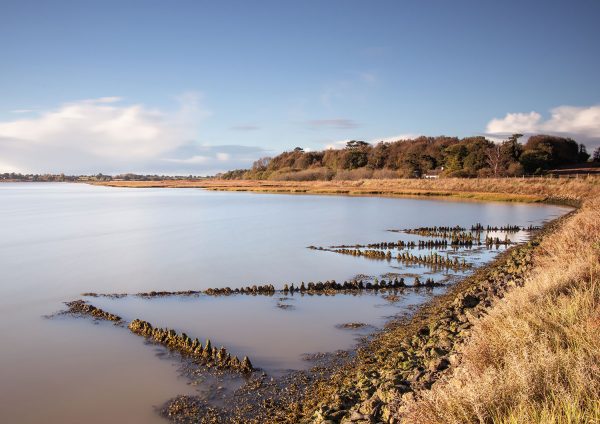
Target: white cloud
{"type": "Point", "coordinates": [514, 123]}
{"type": "Point", "coordinates": [21, 111]}
{"type": "Point", "coordinates": [580, 123]}
{"type": "Point", "coordinates": [340, 144]}
{"type": "Point", "coordinates": [106, 130]}
{"type": "Point", "coordinates": [406, 136]}
{"type": "Point", "coordinates": [107, 135]}
{"type": "Point", "coordinates": [194, 160]}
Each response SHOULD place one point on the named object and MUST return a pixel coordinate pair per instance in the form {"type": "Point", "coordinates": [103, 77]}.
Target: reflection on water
{"type": "Point", "coordinates": [59, 240]}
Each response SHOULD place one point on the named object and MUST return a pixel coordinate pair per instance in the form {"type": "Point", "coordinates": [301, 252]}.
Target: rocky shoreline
{"type": "Point", "coordinates": [411, 355]}
{"type": "Point", "coordinates": [369, 385]}
{"type": "Point", "coordinates": [386, 371]}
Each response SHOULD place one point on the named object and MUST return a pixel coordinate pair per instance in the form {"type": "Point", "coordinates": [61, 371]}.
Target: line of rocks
{"type": "Point", "coordinates": [206, 355]}
{"type": "Point", "coordinates": [327, 287]}
{"type": "Point", "coordinates": [358, 285]}
{"type": "Point", "coordinates": [433, 259]}
{"type": "Point", "coordinates": [81, 307]}
{"type": "Point", "coordinates": [503, 228]}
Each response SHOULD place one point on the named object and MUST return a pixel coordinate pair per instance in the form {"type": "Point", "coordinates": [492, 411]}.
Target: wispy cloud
{"type": "Point", "coordinates": [337, 123]}
{"type": "Point", "coordinates": [22, 111]}
{"type": "Point", "coordinates": [245, 127]}
{"type": "Point", "coordinates": [405, 136]}
{"type": "Point", "coordinates": [580, 123]}
{"type": "Point", "coordinates": [107, 135]}
{"type": "Point", "coordinates": [368, 77]}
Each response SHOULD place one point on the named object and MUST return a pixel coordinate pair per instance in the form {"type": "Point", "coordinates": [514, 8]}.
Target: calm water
{"type": "Point", "coordinates": [59, 240]}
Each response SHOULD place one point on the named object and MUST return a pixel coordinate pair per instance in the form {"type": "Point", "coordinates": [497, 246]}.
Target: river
{"type": "Point", "coordinates": [59, 240]}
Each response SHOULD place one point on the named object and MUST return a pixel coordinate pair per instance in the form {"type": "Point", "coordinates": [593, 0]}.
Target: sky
{"type": "Point", "coordinates": [198, 87]}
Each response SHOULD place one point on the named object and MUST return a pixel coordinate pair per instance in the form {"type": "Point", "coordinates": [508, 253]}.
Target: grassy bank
{"type": "Point", "coordinates": [535, 357]}
{"type": "Point", "coordinates": [568, 191]}
{"type": "Point", "coordinates": [515, 343]}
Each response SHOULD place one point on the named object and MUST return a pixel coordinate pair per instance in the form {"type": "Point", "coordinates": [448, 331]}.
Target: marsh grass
{"type": "Point", "coordinates": [569, 191]}
{"type": "Point", "coordinates": [535, 358]}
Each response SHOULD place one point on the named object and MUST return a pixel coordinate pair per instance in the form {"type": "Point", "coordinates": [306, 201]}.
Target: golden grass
{"type": "Point", "coordinates": [488, 189]}
{"type": "Point", "coordinates": [535, 358]}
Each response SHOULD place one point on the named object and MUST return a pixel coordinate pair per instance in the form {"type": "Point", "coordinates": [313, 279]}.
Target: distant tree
{"type": "Point", "coordinates": [261, 164]}
{"type": "Point", "coordinates": [535, 160]}
{"type": "Point", "coordinates": [494, 159]}
{"type": "Point", "coordinates": [355, 158]}
{"type": "Point", "coordinates": [596, 155]}
{"type": "Point", "coordinates": [355, 144]}
{"type": "Point", "coordinates": [378, 156]}
{"type": "Point", "coordinates": [548, 151]}
{"type": "Point", "coordinates": [583, 154]}
{"type": "Point", "coordinates": [299, 149]}
{"type": "Point", "coordinates": [512, 147]}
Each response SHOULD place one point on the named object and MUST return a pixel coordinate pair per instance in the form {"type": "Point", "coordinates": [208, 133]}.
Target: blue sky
{"type": "Point", "coordinates": [198, 87]}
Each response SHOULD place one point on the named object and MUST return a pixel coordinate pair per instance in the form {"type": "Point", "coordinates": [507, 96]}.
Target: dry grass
{"type": "Point", "coordinates": [536, 357]}
{"type": "Point", "coordinates": [501, 189]}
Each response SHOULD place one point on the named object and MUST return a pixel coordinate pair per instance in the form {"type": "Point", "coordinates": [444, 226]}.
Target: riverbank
{"type": "Point", "coordinates": [516, 342]}
{"type": "Point", "coordinates": [512, 343]}
{"type": "Point", "coordinates": [532, 190]}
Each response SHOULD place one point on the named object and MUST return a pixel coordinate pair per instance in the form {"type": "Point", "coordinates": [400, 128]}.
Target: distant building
{"type": "Point", "coordinates": [434, 173]}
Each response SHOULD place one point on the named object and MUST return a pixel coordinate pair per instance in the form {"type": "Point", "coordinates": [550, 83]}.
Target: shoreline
{"type": "Point", "coordinates": [378, 374]}
{"type": "Point", "coordinates": [410, 355]}
{"type": "Point", "coordinates": [543, 190]}
{"type": "Point", "coordinates": [366, 388]}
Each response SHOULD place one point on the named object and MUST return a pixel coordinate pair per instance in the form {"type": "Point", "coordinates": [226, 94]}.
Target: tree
{"type": "Point", "coordinates": [261, 164]}
{"type": "Point", "coordinates": [494, 158]}
{"type": "Point", "coordinates": [512, 147]}
{"type": "Point", "coordinates": [535, 160]}
{"type": "Point", "coordinates": [549, 151]}
{"type": "Point", "coordinates": [596, 155]}
{"type": "Point", "coordinates": [583, 154]}
{"type": "Point", "coordinates": [299, 150]}
{"type": "Point", "coordinates": [355, 144]}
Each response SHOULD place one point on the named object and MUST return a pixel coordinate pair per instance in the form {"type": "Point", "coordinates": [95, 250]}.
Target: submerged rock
{"type": "Point", "coordinates": [81, 307]}
{"type": "Point", "coordinates": [182, 343]}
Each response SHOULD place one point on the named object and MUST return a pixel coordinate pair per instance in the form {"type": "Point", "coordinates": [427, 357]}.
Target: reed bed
{"type": "Point", "coordinates": [561, 190]}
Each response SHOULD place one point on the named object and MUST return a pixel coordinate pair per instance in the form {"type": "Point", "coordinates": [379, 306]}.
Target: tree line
{"type": "Point", "coordinates": [414, 158]}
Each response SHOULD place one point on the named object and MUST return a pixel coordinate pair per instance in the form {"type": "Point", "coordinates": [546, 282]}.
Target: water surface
{"type": "Point", "coordinates": [60, 240]}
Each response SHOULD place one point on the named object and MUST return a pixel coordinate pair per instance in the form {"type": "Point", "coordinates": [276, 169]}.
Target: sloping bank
{"type": "Point", "coordinates": [517, 342]}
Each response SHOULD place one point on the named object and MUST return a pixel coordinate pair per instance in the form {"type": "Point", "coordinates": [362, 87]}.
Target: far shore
{"type": "Point", "coordinates": [530, 190]}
